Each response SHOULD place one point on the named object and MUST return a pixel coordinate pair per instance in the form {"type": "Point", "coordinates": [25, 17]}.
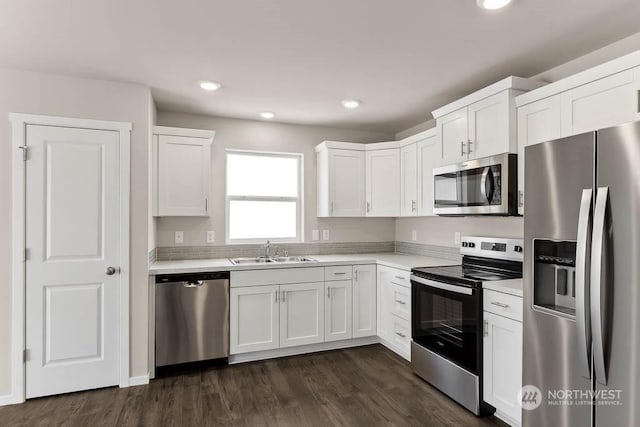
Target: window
{"type": "Point", "coordinates": [264, 197]}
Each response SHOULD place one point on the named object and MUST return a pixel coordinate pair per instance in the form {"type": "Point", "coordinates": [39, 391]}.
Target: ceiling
{"type": "Point", "coordinates": [300, 58]}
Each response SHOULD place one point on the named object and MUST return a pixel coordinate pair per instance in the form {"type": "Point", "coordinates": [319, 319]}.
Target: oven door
{"type": "Point", "coordinates": [446, 319]}
{"type": "Point", "coordinates": [476, 187]}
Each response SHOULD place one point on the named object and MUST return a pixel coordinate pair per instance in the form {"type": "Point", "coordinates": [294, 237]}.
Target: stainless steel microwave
{"type": "Point", "coordinates": [486, 186]}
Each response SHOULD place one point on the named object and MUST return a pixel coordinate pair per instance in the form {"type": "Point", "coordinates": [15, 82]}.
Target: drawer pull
{"type": "Point", "coordinates": [339, 274]}
{"type": "Point", "coordinates": [401, 278]}
{"type": "Point", "coordinates": [401, 335]}
{"type": "Point", "coordinates": [401, 302]}
{"type": "Point", "coordinates": [500, 304]}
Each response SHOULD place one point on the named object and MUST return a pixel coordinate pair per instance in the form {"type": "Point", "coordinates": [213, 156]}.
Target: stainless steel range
{"type": "Point", "coordinates": [446, 307]}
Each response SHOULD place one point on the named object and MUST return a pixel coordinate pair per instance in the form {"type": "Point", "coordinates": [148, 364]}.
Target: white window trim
{"type": "Point", "coordinates": [300, 198]}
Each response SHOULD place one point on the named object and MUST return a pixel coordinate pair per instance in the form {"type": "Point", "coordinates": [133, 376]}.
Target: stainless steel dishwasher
{"type": "Point", "coordinates": [192, 317]}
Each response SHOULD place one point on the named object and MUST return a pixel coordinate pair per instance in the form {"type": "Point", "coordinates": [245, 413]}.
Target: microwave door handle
{"type": "Point", "coordinates": [583, 249]}
{"type": "Point", "coordinates": [599, 284]}
{"type": "Point", "coordinates": [487, 194]}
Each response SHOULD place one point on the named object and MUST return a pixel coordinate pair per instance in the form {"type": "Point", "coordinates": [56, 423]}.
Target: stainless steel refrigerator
{"type": "Point", "coordinates": [582, 280]}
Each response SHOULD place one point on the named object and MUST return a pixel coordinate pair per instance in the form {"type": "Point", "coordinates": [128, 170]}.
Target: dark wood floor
{"type": "Point", "coordinates": [363, 386]}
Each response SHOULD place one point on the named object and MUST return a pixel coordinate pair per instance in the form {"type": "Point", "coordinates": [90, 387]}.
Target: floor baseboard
{"type": "Point", "coordinates": [140, 380]}
{"type": "Point", "coordinates": [9, 399]}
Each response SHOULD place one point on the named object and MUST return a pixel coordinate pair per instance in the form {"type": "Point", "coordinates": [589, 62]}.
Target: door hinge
{"type": "Point", "coordinates": [25, 152]}
{"type": "Point", "coordinates": [25, 355]}
{"type": "Point", "coordinates": [27, 254]}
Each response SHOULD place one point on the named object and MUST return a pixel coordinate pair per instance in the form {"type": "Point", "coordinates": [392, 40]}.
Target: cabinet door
{"type": "Point", "coordinates": [409, 180]}
{"type": "Point", "coordinates": [301, 314]}
{"type": "Point", "coordinates": [383, 182]}
{"type": "Point", "coordinates": [429, 157]}
{"type": "Point", "coordinates": [502, 365]}
{"type": "Point", "coordinates": [538, 122]}
{"type": "Point", "coordinates": [346, 183]}
{"type": "Point", "coordinates": [489, 131]}
{"type": "Point", "coordinates": [364, 301]}
{"type": "Point", "coordinates": [600, 104]}
{"type": "Point", "coordinates": [452, 129]}
{"type": "Point", "coordinates": [184, 175]}
{"type": "Point", "coordinates": [337, 310]}
{"type": "Point", "coordinates": [254, 318]}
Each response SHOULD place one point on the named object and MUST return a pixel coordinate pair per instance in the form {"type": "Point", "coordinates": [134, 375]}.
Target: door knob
{"type": "Point", "coordinates": [111, 271]}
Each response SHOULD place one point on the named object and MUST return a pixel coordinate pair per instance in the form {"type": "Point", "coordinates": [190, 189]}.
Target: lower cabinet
{"type": "Point", "coordinates": [254, 319]}
{"type": "Point", "coordinates": [338, 311]}
{"type": "Point", "coordinates": [267, 317]}
{"type": "Point", "coordinates": [301, 314]}
{"type": "Point", "coordinates": [502, 363]}
{"type": "Point", "coordinates": [394, 310]}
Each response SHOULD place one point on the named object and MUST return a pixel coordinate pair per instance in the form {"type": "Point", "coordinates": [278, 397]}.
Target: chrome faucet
{"type": "Point", "coordinates": [267, 250]}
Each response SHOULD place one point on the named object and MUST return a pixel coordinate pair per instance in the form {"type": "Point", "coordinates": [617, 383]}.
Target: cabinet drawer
{"type": "Point", "coordinates": [502, 304]}
{"type": "Point", "coordinates": [401, 334]}
{"type": "Point", "coordinates": [339, 272]}
{"type": "Point", "coordinates": [401, 302]}
{"type": "Point", "coordinates": [400, 277]}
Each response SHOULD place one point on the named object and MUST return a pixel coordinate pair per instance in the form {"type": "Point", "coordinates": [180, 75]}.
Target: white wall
{"type": "Point", "coordinates": [269, 136]}
{"type": "Point", "coordinates": [37, 93]}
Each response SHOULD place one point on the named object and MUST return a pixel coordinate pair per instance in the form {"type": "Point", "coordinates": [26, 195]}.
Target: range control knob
{"type": "Point", "coordinates": [465, 244]}
{"type": "Point", "coordinates": [472, 245]}
{"type": "Point", "coordinates": [518, 249]}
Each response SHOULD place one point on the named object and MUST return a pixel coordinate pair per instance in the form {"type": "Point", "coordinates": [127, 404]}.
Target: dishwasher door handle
{"type": "Point", "coordinates": [194, 284]}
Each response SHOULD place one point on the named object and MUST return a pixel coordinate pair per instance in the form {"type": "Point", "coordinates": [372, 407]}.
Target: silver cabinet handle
{"type": "Point", "coordinates": [462, 153]}
{"type": "Point", "coordinates": [401, 278]}
{"type": "Point", "coordinates": [368, 206]}
{"type": "Point", "coordinates": [356, 272]}
{"type": "Point", "coordinates": [583, 247]}
{"type": "Point", "coordinates": [598, 284]}
{"type": "Point", "coordinates": [500, 304]}
{"type": "Point", "coordinates": [401, 335]}
{"type": "Point", "coordinates": [206, 205]}
{"type": "Point", "coordinates": [284, 296]}
{"type": "Point", "coordinates": [328, 292]}
{"type": "Point", "coordinates": [331, 208]}
{"type": "Point", "coordinates": [277, 292]}
{"type": "Point", "coordinates": [520, 198]}
{"type": "Point", "coordinates": [469, 150]}
{"type": "Point", "coordinates": [413, 206]}
{"type": "Point", "coordinates": [401, 302]}
{"type": "Point", "coordinates": [485, 328]}
{"type": "Point", "coordinates": [111, 271]}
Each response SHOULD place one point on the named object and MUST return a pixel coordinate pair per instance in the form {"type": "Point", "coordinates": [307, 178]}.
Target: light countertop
{"type": "Point", "coordinates": [511, 286]}
{"type": "Point", "coordinates": [395, 260]}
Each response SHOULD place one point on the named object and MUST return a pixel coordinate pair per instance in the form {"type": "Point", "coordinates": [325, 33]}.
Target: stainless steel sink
{"type": "Point", "coordinates": [256, 260]}
{"type": "Point", "coordinates": [294, 259]}
{"type": "Point", "coordinates": [265, 260]}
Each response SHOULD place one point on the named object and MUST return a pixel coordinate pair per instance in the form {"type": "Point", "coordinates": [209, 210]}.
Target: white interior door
{"type": "Point", "coordinates": [72, 236]}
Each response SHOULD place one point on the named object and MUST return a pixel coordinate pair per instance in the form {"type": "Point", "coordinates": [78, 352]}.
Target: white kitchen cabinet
{"type": "Point", "coordinates": [364, 301]}
{"type": "Point", "coordinates": [394, 328]}
{"type": "Point", "coordinates": [491, 126]}
{"type": "Point", "coordinates": [254, 319]}
{"type": "Point", "coordinates": [453, 131]}
{"type": "Point", "coordinates": [409, 180]}
{"type": "Point", "coordinates": [338, 310]}
{"type": "Point", "coordinates": [502, 346]}
{"type": "Point", "coordinates": [603, 103]}
{"type": "Point", "coordinates": [181, 169]}
{"type": "Point", "coordinates": [429, 157]}
{"type": "Point", "coordinates": [341, 182]}
{"type": "Point", "coordinates": [538, 122]}
{"type": "Point", "coordinates": [301, 314]}
{"type": "Point", "coordinates": [383, 182]}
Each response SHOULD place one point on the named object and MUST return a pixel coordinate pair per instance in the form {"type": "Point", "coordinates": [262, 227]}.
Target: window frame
{"type": "Point", "coordinates": [299, 199]}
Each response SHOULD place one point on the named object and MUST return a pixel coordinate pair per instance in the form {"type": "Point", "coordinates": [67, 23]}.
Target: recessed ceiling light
{"type": "Point", "coordinates": [350, 103]}
{"type": "Point", "coordinates": [267, 115]}
{"type": "Point", "coordinates": [209, 85]}
{"type": "Point", "coordinates": [493, 4]}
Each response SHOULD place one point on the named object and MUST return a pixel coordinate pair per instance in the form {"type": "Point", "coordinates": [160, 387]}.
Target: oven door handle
{"type": "Point", "coordinates": [444, 286]}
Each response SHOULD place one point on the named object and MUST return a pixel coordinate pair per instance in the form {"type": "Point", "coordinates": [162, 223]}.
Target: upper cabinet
{"type": "Point", "coordinates": [429, 151]}
{"type": "Point", "coordinates": [340, 175]}
{"type": "Point", "coordinates": [600, 97]}
{"type": "Point", "coordinates": [483, 123]}
{"type": "Point", "coordinates": [181, 171]}
{"type": "Point", "coordinates": [383, 182]}
{"type": "Point", "coordinates": [409, 180]}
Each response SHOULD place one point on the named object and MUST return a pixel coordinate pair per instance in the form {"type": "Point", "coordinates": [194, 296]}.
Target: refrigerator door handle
{"type": "Point", "coordinates": [598, 270]}
{"type": "Point", "coordinates": [583, 248]}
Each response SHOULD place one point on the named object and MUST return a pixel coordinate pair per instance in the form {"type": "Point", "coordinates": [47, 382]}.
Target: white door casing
{"type": "Point", "coordinates": [71, 198]}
